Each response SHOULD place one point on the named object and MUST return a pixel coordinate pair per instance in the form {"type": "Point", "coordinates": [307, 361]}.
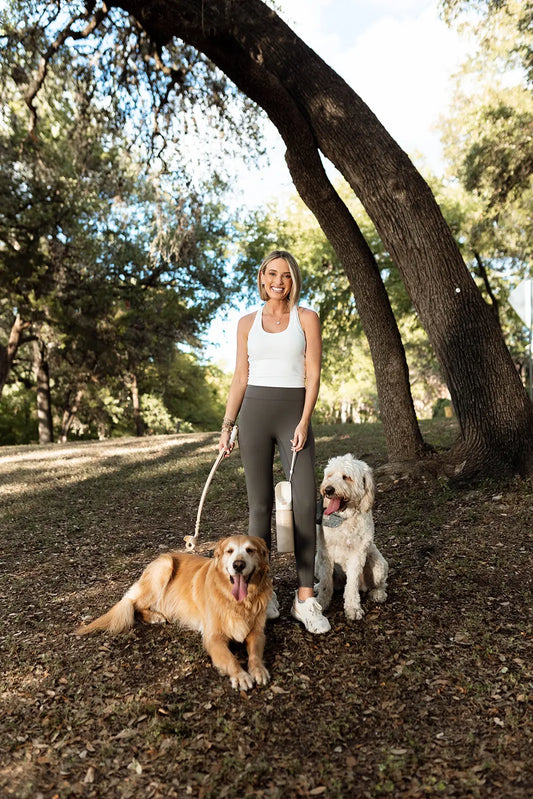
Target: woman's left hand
{"type": "Point", "coordinates": [300, 437]}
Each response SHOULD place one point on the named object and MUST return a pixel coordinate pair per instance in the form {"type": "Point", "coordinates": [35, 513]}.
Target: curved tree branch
{"type": "Point", "coordinates": [67, 33]}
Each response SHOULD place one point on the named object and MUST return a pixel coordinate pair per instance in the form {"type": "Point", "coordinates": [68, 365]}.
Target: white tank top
{"type": "Point", "coordinates": [277, 359]}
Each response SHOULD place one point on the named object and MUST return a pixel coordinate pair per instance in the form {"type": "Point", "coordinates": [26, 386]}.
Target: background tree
{"type": "Point", "coordinates": [115, 260]}
{"type": "Point", "coordinates": [315, 110]}
{"type": "Point", "coordinates": [489, 147]}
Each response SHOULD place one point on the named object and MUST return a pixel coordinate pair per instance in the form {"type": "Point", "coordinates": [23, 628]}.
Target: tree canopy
{"type": "Point", "coordinates": [488, 146]}
{"type": "Point", "coordinates": [108, 259]}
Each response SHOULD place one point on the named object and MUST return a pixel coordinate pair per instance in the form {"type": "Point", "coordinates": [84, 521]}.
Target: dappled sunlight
{"type": "Point", "coordinates": [80, 452]}
{"type": "Point", "coordinates": [23, 684]}
{"type": "Point", "coordinates": [35, 470]}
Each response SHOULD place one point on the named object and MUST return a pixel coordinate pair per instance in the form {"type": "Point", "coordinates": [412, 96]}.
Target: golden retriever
{"type": "Point", "coordinates": [224, 598]}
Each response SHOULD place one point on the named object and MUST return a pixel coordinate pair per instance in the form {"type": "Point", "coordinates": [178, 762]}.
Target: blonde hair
{"type": "Point", "coordinates": [294, 269]}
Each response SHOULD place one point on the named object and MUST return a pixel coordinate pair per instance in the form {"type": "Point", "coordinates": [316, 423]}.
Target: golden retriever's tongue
{"type": "Point", "coordinates": [333, 505]}
{"type": "Point", "coordinates": [240, 589]}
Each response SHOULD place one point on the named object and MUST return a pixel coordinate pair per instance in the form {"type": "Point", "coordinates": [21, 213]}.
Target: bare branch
{"type": "Point", "coordinates": [67, 33]}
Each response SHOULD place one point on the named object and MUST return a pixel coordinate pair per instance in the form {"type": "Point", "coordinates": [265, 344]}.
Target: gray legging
{"type": "Point", "coordinates": [269, 416]}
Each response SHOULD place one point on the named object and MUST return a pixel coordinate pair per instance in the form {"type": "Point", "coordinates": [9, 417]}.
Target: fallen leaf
{"type": "Point", "coordinates": [89, 776]}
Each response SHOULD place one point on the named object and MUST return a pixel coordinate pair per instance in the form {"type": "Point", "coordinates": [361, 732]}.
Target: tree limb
{"type": "Point", "coordinates": [67, 33]}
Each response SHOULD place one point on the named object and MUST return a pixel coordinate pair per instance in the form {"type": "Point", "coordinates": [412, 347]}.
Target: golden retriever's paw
{"type": "Point", "coordinates": [242, 681]}
{"type": "Point", "coordinates": [152, 616]}
{"type": "Point", "coordinates": [259, 674]}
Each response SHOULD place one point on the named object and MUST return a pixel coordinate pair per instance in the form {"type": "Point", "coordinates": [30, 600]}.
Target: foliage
{"type": "Point", "coordinates": [112, 262]}
{"type": "Point", "coordinates": [166, 99]}
{"type": "Point", "coordinates": [502, 27]}
{"type": "Point", "coordinates": [192, 391]}
{"type": "Point", "coordinates": [489, 148]}
{"type": "Point", "coordinates": [18, 416]}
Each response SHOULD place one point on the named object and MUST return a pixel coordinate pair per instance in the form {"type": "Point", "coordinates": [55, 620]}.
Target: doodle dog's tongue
{"type": "Point", "coordinates": [333, 506]}
{"type": "Point", "coordinates": [240, 588]}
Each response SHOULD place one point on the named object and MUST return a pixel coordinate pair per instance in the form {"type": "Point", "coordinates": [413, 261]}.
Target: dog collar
{"type": "Point", "coordinates": [333, 520]}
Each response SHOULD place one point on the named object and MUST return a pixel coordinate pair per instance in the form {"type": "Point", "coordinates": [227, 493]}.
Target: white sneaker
{"type": "Point", "coordinates": [309, 612]}
{"type": "Point", "coordinates": [273, 607]}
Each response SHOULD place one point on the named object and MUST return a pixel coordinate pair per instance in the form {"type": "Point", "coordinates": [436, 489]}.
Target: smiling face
{"type": "Point", "coordinates": [277, 279]}
{"type": "Point", "coordinates": [347, 487]}
{"type": "Point", "coordinates": [240, 557]}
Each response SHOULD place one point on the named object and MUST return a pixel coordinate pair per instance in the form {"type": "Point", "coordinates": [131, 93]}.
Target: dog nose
{"type": "Point", "coordinates": [329, 490]}
{"type": "Point", "coordinates": [238, 566]}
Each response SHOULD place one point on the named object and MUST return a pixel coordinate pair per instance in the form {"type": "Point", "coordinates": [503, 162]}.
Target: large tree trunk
{"type": "Point", "coordinates": [44, 403]}
{"type": "Point", "coordinates": [8, 353]}
{"type": "Point", "coordinates": [255, 47]}
{"type": "Point", "coordinates": [402, 433]}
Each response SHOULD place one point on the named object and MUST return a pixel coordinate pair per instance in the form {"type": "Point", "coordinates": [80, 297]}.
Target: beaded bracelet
{"type": "Point", "coordinates": [227, 425]}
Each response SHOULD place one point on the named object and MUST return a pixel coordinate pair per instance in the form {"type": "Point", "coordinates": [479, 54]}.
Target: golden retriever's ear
{"type": "Point", "coordinates": [219, 549]}
{"type": "Point", "coordinates": [263, 549]}
{"type": "Point", "coordinates": [369, 495]}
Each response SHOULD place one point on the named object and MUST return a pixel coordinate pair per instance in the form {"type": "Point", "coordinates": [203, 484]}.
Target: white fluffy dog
{"type": "Point", "coordinates": [346, 536]}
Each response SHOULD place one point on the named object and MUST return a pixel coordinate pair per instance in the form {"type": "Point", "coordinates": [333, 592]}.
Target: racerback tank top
{"type": "Point", "coordinates": [277, 359]}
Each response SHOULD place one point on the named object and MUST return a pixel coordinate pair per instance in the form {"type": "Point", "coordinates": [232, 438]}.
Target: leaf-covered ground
{"type": "Point", "coordinates": [428, 695]}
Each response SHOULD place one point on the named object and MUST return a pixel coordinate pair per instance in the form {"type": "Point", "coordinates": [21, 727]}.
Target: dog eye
{"type": "Point", "coordinates": [229, 551]}
{"type": "Point", "coordinates": [250, 550]}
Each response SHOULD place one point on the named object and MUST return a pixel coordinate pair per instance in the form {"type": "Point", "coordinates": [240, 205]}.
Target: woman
{"type": "Point", "coordinates": [274, 391]}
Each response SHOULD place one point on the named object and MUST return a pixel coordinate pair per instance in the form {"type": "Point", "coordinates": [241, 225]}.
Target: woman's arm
{"type": "Point", "coordinates": [239, 380]}
{"type": "Point", "coordinates": [313, 363]}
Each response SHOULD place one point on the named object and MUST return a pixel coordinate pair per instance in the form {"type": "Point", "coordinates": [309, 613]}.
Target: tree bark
{"type": "Point", "coordinates": [137, 414]}
{"type": "Point", "coordinates": [44, 403]}
{"type": "Point", "coordinates": [402, 434]}
{"type": "Point", "coordinates": [254, 46]}
{"type": "Point", "coordinates": [8, 353]}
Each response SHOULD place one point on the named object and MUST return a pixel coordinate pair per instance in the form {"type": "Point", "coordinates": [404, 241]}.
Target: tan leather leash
{"type": "Point", "coordinates": [190, 540]}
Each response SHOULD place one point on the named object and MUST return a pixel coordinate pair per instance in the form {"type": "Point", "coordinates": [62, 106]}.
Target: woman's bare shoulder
{"type": "Point", "coordinates": [307, 315]}
{"type": "Point", "coordinates": [246, 321]}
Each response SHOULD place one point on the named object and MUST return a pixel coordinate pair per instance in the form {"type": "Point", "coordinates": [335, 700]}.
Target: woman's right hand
{"type": "Point", "coordinates": [224, 444]}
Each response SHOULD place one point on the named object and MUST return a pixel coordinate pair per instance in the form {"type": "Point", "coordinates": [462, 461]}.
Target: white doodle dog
{"type": "Point", "coordinates": [345, 538]}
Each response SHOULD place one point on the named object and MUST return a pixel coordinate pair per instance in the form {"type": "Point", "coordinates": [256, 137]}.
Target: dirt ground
{"type": "Point", "coordinates": [429, 695]}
